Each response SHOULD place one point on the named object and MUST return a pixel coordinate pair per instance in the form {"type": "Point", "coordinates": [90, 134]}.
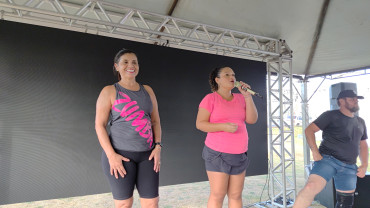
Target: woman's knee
{"type": "Point", "coordinates": [123, 203]}
{"type": "Point", "coordinates": [234, 195]}
{"type": "Point", "coordinates": [220, 195]}
{"type": "Point", "coordinates": [149, 203]}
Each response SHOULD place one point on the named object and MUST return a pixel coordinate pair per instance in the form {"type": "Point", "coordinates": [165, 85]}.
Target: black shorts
{"type": "Point", "coordinates": [140, 172]}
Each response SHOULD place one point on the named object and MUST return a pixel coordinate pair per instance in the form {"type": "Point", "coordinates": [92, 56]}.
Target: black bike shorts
{"type": "Point", "coordinates": [140, 172]}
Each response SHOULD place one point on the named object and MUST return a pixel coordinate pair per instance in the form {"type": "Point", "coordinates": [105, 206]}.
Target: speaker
{"type": "Point", "coordinates": [335, 89]}
{"type": "Point", "coordinates": [327, 197]}
{"type": "Point", "coordinates": [362, 193]}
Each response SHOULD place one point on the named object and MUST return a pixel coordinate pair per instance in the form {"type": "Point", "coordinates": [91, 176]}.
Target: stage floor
{"type": "Point", "coordinates": [191, 195]}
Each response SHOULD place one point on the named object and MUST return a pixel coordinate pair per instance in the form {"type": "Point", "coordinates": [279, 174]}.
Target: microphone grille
{"type": "Point", "coordinates": [237, 84]}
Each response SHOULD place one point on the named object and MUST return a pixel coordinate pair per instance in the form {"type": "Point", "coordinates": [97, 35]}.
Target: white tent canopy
{"type": "Point", "coordinates": [344, 43]}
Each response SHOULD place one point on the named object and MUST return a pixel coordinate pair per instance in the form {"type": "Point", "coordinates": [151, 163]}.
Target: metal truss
{"type": "Point", "coordinates": [305, 122]}
{"type": "Point", "coordinates": [282, 185]}
{"type": "Point", "coordinates": [113, 20]}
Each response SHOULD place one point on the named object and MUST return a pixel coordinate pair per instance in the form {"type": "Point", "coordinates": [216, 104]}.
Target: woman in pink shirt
{"type": "Point", "coordinates": [223, 115]}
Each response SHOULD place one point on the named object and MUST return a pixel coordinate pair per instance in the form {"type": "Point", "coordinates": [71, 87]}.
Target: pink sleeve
{"type": "Point", "coordinates": [207, 103]}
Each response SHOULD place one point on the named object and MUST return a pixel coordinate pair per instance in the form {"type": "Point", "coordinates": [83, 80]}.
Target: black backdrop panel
{"type": "Point", "coordinates": [49, 82]}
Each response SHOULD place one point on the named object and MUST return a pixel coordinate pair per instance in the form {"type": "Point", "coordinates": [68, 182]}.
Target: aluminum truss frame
{"type": "Point", "coordinates": [113, 20]}
{"type": "Point", "coordinates": [305, 123]}
{"type": "Point", "coordinates": [108, 19]}
{"type": "Point", "coordinates": [282, 184]}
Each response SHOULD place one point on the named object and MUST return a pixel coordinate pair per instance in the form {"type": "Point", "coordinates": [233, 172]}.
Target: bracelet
{"type": "Point", "coordinates": [158, 143]}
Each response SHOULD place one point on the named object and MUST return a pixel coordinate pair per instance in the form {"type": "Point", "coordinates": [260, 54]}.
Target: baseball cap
{"type": "Point", "coordinates": [348, 93]}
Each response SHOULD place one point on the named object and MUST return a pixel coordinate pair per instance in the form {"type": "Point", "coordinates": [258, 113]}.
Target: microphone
{"type": "Point", "coordinates": [237, 84]}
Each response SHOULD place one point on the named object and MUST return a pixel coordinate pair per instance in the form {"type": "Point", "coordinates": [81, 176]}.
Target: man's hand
{"type": "Point", "coordinates": [361, 171]}
{"type": "Point", "coordinates": [316, 156]}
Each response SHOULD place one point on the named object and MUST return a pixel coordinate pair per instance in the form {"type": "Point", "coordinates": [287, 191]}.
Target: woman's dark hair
{"type": "Point", "coordinates": [212, 78]}
{"type": "Point", "coordinates": [117, 58]}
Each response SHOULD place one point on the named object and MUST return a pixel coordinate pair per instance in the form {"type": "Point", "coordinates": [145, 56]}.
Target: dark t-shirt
{"type": "Point", "coordinates": [341, 135]}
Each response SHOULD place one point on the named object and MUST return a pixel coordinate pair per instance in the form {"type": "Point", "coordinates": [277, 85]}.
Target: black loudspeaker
{"type": "Point", "coordinates": [327, 197]}
{"type": "Point", "coordinates": [362, 193]}
{"type": "Point", "coordinates": [335, 89]}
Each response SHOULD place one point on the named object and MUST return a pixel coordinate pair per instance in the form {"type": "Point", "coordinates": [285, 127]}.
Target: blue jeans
{"type": "Point", "coordinates": [344, 175]}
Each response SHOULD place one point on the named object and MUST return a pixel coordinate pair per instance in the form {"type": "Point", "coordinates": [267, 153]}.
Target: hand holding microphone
{"type": "Point", "coordinates": [238, 84]}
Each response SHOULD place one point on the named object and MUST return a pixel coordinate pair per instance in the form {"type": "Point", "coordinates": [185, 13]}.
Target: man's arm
{"type": "Point", "coordinates": [311, 140]}
{"type": "Point", "coordinates": [364, 158]}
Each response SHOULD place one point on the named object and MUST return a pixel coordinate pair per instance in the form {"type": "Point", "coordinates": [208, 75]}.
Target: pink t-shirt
{"type": "Point", "coordinates": [223, 111]}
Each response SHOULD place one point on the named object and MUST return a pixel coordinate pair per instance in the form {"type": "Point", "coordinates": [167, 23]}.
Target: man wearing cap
{"type": "Point", "coordinates": [344, 138]}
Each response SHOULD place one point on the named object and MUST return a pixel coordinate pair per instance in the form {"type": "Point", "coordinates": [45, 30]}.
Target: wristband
{"type": "Point", "coordinates": [158, 143]}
